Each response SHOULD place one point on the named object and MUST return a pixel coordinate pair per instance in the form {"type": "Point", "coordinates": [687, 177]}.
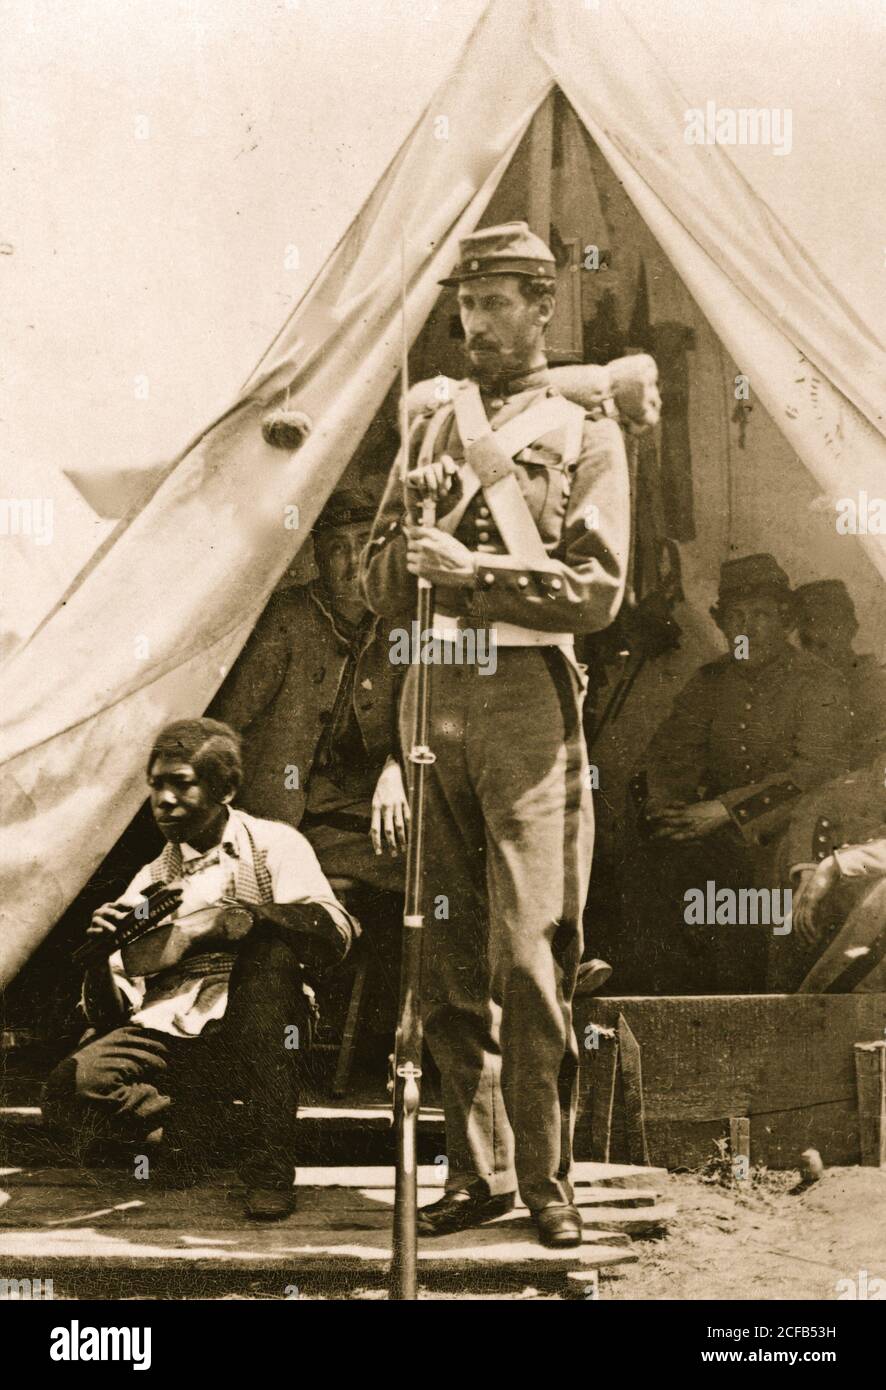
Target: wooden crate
{"type": "Point", "coordinates": [786, 1062]}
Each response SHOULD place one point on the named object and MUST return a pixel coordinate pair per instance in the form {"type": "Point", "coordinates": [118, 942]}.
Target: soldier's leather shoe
{"type": "Point", "coordinates": [460, 1209]}
{"type": "Point", "coordinates": [269, 1203]}
{"type": "Point", "coordinates": [559, 1225]}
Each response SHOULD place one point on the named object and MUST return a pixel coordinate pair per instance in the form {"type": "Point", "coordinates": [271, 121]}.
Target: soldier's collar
{"type": "Point", "coordinates": [511, 385]}
{"type": "Point", "coordinates": [348, 633]}
{"type": "Point", "coordinates": [780, 658]}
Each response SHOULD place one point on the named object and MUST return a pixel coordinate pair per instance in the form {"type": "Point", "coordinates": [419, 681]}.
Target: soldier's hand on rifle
{"type": "Point", "coordinates": [431, 480]}
{"type": "Point", "coordinates": [390, 810]}
{"type": "Point", "coordinates": [814, 885]}
{"type": "Point", "coordinates": [434, 555]}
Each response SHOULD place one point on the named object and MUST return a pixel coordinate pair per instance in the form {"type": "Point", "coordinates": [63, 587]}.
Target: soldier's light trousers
{"type": "Point", "coordinates": [508, 853]}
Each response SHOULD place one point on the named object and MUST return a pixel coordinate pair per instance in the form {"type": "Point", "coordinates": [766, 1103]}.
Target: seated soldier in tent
{"type": "Point", "coordinates": [315, 696]}
{"type": "Point", "coordinates": [826, 625]}
{"type": "Point", "coordinates": [850, 810]}
{"type": "Point", "coordinates": [215, 999]}
{"type": "Point", "coordinates": [747, 736]}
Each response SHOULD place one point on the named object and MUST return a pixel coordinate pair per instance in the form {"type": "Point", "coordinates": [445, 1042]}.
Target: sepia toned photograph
{"type": "Point", "coordinates": [442, 685]}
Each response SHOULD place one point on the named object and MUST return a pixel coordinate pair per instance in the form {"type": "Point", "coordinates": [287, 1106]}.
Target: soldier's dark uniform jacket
{"type": "Point", "coordinates": [866, 681]}
{"type": "Point", "coordinates": [578, 499]}
{"type": "Point", "coordinates": [850, 810]}
{"type": "Point", "coordinates": [281, 695]}
{"type": "Point", "coordinates": [754, 739]}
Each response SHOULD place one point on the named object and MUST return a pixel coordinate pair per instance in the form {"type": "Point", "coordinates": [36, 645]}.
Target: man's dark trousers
{"type": "Point", "coordinates": [507, 862]}
{"type": "Point", "coordinates": [132, 1080]}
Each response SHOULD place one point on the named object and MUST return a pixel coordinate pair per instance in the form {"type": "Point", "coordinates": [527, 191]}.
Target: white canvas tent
{"type": "Point", "coordinates": [132, 644]}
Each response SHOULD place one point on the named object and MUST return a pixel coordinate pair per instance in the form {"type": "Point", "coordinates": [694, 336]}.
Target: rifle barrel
{"type": "Point", "coordinates": [410, 1038]}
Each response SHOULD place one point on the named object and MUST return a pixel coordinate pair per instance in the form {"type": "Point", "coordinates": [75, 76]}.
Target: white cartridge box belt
{"type": "Point", "coordinates": [448, 629]}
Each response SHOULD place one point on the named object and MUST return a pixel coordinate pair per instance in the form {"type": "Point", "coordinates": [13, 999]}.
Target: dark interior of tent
{"type": "Point", "coordinates": [713, 481]}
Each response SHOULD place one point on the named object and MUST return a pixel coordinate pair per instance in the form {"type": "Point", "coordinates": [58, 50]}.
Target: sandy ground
{"type": "Point", "coordinates": [758, 1240]}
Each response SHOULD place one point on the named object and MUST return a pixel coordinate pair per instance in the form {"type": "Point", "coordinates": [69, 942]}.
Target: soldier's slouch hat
{"type": "Point", "coordinates": [752, 574]}
{"type": "Point", "coordinates": [348, 505]}
{"type": "Point", "coordinates": [825, 600]}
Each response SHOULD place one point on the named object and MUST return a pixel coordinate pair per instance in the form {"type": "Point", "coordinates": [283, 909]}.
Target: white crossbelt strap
{"type": "Point", "coordinates": [487, 464]}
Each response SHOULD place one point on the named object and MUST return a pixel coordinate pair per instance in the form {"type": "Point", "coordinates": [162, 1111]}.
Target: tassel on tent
{"type": "Point", "coordinates": [285, 428]}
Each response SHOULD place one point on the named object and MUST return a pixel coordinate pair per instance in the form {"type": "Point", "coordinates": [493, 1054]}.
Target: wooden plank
{"type": "Point", "coordinates": [36, 1196]}
{"type": "Point", "coordinates": [374, 1117]}
{"type": "Point", "coordinates": [585, 1174]}
{"type": "Point", "coordinates": [347, 1198]}
{"type": "Point", "coordinates": [633, 1220]}
{"type": "Point", "coordinates": [607, 1237]}
{"type": "Point", "coordinates": [80, 1214]}
{"type": "Point", "coordinates": [632, 1088]}
{"type": "Point", "coordinates": [870, 1077]}
{"type": "Point", "coordinates": [292, 1251]}
{"type": "Point", "coordinates": [740, 1146]}
{"type": "Point", "coordinates": [786, 1060]}
{"type": "Point", "coordinates": [146, 1203]}
{"type": "Point", "coordinates": [227, 1228]}
{"type": "Point", "coordinates": [605, 1070]}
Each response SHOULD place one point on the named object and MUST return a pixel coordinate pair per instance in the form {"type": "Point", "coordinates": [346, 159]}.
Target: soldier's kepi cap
{"type": "Point", "coordinates": [825, 599]}
{"type": "Point", "coordinates": [510, 249]}
{"type": "Point", "coordinates": [348, 505]}
{"type": "Point", "coordinates": [752, 574]}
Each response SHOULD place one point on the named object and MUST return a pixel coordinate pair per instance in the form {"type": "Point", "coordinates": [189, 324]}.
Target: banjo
{"type": "Point", "coordinates": [158, 900]}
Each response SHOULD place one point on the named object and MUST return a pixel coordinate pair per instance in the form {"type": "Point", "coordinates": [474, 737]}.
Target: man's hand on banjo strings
{"type": "Point", "coordinates": [110, 916]}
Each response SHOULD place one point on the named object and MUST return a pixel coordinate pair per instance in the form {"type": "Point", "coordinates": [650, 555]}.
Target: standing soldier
{"type": "Point", "coordinates": [530, 544]}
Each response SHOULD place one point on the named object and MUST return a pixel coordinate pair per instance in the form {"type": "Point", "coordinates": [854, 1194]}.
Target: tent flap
{"type": "Point", "coordinates": [150, 627]}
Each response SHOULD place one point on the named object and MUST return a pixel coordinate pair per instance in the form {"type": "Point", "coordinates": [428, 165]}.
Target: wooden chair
{"type": "Point", "coordinates": [361, 957]}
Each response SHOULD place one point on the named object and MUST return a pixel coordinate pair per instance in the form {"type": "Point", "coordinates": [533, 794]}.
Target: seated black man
{"type": "Point", "coordinates": [217, 997]}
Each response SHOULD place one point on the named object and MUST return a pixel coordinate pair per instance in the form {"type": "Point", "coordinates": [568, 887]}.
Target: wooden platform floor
{"type": "Point", "coordinates": [60, 1220]}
